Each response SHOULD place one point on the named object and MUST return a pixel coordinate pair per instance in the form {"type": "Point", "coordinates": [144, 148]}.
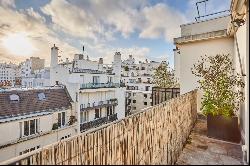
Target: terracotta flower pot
{"type": "Point", "coordinates": [223, 128]}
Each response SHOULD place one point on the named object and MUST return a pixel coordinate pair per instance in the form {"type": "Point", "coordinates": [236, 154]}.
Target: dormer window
{"type": "Point", "coordinates": [14, 98]}
{"type": "Point", "coordinates": [41, 96]}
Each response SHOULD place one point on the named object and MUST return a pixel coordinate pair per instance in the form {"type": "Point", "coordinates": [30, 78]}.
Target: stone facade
{"type": "Point", "coordinates": [155, 135]}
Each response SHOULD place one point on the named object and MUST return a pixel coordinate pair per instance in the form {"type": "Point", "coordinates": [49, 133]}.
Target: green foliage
{"type": "Point", "coordinates": [164, 76]}
{"type": "Point", "coordinates": [55, 126]}
{"type": "Point", "coordinates": [222, 86]}
{"type": "Point", "coordinates": [126, 68]}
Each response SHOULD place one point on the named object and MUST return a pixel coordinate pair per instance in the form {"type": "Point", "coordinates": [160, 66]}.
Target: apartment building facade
{"type": "Point", "coordinates": [98, 95]}
{"type": "Point", "coordinates": [9, 74]}
{"type": "Point", "coordinates": [138, 78]}
{"type": "Point", "coordinates": [31, 119]}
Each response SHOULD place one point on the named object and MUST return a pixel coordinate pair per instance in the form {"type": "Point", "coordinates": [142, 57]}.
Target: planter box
{"type": "Point", "coordinates": [223, 128]}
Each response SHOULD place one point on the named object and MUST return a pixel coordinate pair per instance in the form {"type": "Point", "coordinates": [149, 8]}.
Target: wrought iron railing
{"type": "Point", "coordinates": [98, 122]}
{"type": "Point", "coordinates": [100, 104]}
{"type": "Point", "coordinates": [101, 85]}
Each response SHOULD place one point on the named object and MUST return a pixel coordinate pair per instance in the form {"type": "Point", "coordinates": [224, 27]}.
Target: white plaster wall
{"type": "Point", "coordinates": [120, 108]}
{"type": "Point", "coordinates": [191, 53]}
{"type": "Point", "coordinates": [205, 26]}
{"type": "Point", "coordinates": [14, 150]}
{"type": "Point", "coordinates": [242, 36]}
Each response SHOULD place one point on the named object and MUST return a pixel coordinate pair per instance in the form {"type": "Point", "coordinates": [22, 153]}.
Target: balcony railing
{"type": "Point", "coordinates": [100, 104]}
{"type": "Point", "coordinates": [98, 122]}
{"type": "Point", "coordinates": [101, 85]}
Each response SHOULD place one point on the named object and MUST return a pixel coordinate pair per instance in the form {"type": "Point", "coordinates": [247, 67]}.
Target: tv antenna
{"type": "Point", "coordinates": [197, 7]}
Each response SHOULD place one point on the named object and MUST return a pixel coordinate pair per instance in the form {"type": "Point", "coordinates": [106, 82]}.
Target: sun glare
{"type": "Point", "coordinates": [18, 44]}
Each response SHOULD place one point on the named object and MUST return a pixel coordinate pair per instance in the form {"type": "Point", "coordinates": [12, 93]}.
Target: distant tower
{"type": "Point", "coordinates": [54, 56]}
{"type": "Point", "coordinates": [117, 67]}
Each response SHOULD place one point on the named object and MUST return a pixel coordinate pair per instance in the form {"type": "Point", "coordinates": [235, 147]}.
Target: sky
{"type": "Point", "coordinates": [142, 28]}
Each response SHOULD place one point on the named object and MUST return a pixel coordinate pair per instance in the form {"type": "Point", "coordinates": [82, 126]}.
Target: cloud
{"type": "Point", "coordinates": [161, 21]}
{"type": "Point", "coordinates": [8, 3]}
{"type": "Point", "coordinates": [33, 24]}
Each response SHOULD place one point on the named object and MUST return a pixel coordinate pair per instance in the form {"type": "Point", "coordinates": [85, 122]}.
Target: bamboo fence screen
{"type": "Point", "coordinates": [155, 136]}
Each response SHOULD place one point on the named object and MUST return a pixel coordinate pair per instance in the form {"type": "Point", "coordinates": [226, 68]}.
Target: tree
{"type": "Point", "coordinates": [164, 76]}
{"type": "Point", "coordinates": [222, 86]}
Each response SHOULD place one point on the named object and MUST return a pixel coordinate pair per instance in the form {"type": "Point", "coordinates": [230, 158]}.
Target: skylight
{"type": "Point", "coordinates": [14, 97]}
{"type": "Point", "coordinates": [41, 96]}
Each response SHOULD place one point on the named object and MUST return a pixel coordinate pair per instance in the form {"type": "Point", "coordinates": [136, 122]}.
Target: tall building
{"type": "Point", "coordinates": [31, 65]}
{"type": "Point", "coordinates": [98, 95]}
{"type": "Point", "coordinates": [138, 78]}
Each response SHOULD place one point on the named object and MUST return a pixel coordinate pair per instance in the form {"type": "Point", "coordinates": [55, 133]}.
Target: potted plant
{"type": "Point", "coordinates": [222, 95]}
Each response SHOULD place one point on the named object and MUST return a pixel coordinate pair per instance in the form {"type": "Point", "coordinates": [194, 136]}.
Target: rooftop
{"type": "Point", "coordinates": [19, 102]}
{"type": "Point", "coordinates": [201, 150]}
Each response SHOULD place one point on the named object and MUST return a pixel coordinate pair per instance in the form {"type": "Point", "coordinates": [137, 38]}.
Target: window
{"type": "Point", "coordinates": [110, 110]}
{"type": "Point", "coordinates": [145, 95]}
{"type": "Point", "coordinates": [96, 79]}
{"type": "Point", "coordinates": [134, 101]}
{"type": "Point", "coordinates": [98, 113]}
{"type": "Point", "coordinates": [84, 116]}
{"type": "Point", "coordinates": [61, 119]}
{"type": "Point", "coordinates": [14, 98]}
{"type": "Point", "coordinates": [147, 88]}
{"type": "Point", "coordinates": [145, 103]}
{"type": "Point", "coordinates": [30, 127]}
{"type": "Point", "coordinates": [110, 79]}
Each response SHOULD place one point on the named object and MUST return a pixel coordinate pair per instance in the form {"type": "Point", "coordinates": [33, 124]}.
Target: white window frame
{"type": "Point", "coordinates": [84, 117]}
{"type": "Point", "coordinates": [22, 129]}
{"type": "Point", "coordinates": [61, 113]}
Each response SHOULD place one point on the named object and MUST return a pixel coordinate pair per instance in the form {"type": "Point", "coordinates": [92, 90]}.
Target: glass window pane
{"type": "Point", "coordinates": [97, 113]}
{"type": "Point", "coordinates": [26, 128]}
{"type": "Point", "coordinates": [36, 125]}
{"type": "Point", "coordinates": [32, 127]}
{"type": "Point", "coordinates": [63, 118]}
{"type": "Point", "coordinates": [59, 119]}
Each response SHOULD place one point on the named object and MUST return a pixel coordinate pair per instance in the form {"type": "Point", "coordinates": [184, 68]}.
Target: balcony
{"type": "Point", "coordinates": [101, 104]}
{"type": "Point", "coordinates": [167, 133]}
{"type": "Point", "coordinates": [101, 85]}
{"type": "Point", "coordinates": [98, 122]}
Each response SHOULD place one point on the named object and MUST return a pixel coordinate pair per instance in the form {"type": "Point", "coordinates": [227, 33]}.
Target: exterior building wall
{"type": "Point", "coordinates": [138, 100]}
{"type": "Point", "coordinates": [14, 150]}
{"type": "Point", "coordinates": [13, 142]}
{"type": "Point", "coordinates": [191, 53]}
{"type": "Point", "coordinates": [37, 63]}
{"type": "Point", "coordinates": [9, 73]}
{"type": "Point", "coordinates": [215, 24]}
{"type": "Point", "coordinates": [177, 66]}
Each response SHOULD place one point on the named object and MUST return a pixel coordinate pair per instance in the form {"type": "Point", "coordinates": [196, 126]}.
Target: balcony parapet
{"type": "Point", "coordinates": [198, 37]}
